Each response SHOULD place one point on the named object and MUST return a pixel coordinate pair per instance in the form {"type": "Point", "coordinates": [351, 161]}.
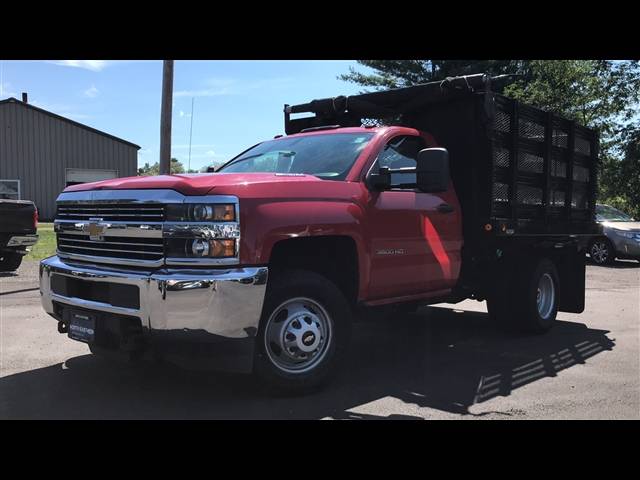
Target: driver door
{"type": "Point", "coordinates": [415, 237]}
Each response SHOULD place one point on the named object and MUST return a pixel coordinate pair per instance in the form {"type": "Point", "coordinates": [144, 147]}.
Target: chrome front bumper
{"type": "Point", "coordinates": [224, 302]}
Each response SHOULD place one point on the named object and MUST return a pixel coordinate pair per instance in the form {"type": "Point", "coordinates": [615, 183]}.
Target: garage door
{"type": "Point", "coordinates": [85, 175]}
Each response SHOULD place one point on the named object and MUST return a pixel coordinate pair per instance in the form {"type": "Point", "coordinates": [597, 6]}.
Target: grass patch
{"type": "Point", "coordinates": [46, 245]}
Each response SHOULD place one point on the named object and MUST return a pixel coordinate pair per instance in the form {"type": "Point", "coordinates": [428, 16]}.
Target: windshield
{"type": "Point", "coordinates": [609, 214]}
{"type": "Point", "coordinates": [329, 157]}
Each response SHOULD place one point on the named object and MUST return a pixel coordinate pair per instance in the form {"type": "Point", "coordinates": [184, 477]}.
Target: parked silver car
{"type": "Point", "coordinates": [621, 236]}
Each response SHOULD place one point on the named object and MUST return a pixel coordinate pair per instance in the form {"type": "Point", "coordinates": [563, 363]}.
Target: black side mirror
{"type": "Point", "coordinates": [432, 170]}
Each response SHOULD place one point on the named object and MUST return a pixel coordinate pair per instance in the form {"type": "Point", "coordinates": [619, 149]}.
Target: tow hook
{"type": "Point", "coordinates": [62, 327]}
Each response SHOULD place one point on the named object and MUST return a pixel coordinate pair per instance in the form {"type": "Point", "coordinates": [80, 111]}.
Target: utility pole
{"type": "Point", "coordinates": [190, 134]}
{"type": "Point", "coordinates": [165, 117]}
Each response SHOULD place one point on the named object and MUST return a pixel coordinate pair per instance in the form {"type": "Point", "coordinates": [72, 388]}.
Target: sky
{"type": "Point", "coordinates": [236, 103]}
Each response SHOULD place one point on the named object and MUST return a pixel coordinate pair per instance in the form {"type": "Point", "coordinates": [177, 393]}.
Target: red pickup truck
{"type": "Point", "coordinates": [457, 193]}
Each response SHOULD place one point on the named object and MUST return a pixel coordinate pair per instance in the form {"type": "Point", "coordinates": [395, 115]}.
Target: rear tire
{"type": "Point", "coordinates": [538, 297]}
{"type": "Point", "coordinates": [530, 304]}
{"type": "Point", "coordinates": [304, 332]}
{"type": "Point", "coordinates": [10, 261]}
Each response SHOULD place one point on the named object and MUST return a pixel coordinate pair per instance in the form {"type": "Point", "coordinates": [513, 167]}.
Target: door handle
{"type": "Point", "coordinates": [445, 208]}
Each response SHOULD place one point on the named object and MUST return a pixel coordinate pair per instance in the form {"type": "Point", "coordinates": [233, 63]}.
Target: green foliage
{"type": "Point", "coordinates": [601, 94]}
{"type": "Point", "coordinates": [403, 73]}
{"type": "Point", "coordinates": [149, 170]}
{"type": "Point", "coordinates": [46, 245]}
{"type": "Point", "coordinates": [621, 186]}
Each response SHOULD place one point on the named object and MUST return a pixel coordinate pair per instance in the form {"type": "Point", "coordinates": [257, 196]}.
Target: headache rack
{"type": "Point", "coordinates": [517, 168]}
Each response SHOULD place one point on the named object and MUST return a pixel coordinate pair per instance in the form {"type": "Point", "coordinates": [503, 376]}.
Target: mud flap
{"type": "Point", "coordinates": [572, 269]}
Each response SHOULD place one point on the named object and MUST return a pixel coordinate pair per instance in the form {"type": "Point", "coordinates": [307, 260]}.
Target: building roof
{"type": "Point", "coordinates": [68, 120]}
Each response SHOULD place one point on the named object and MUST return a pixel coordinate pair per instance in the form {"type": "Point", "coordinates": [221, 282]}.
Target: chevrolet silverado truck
{"type": "Point", "coordinates": [434, 193]}
{"type": "Point", "coordinates": [18, 227]}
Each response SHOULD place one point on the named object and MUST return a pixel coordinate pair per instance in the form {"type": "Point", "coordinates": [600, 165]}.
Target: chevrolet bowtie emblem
{"type": "Point", "coordinates": [96, 230]}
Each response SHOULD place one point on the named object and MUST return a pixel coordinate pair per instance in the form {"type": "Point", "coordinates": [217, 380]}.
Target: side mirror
{"type": "Point", "coordinates": [432, 170]}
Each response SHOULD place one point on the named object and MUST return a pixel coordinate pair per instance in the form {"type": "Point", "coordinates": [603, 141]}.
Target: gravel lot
{"type": "Point", "coordinates": [444, 362]}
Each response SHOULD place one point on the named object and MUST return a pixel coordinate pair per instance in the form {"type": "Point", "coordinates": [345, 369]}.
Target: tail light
{"type": "Point", "coordinates": [35, 219]}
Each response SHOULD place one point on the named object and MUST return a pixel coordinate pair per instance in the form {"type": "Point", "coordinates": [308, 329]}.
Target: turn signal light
{"type": "Point", "coordinates": [222, 248]}
{"type": "Point", "coordinates": [215, 212]}
{"type": "Point", "coordinates": [213, 248]}
{"type": "Point", "coordinates": [225, 213]}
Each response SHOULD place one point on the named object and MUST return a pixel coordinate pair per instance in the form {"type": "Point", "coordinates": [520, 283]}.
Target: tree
{"type": "Point", "coordinates": [403, 73]}
{"type": "Point", "coordinates": [623, 178]}
{"type": "Point", "coordinates": [147, 170]}
{"type": "Point", "coordinates": [601, 94]}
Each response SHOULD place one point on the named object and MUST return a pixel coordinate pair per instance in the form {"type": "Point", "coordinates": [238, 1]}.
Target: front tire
{"type": "Point", "coordinates": [10, 261]}
{"type": "Point", "coordinates": [601, 251]}
{"type": "Point", "coordinates": [304, 332]}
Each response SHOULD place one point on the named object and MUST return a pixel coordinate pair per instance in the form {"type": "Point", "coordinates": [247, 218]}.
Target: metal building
{"type": "Point", "coordinates": [41, 153]}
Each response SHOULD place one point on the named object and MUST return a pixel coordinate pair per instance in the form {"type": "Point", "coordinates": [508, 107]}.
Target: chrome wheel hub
{"type": "Point", "coordinates": [546, 296]}
{"type": "Point", "coordinates": [599, 252]}
{"type": "Point", "coordinates": [297, 335]}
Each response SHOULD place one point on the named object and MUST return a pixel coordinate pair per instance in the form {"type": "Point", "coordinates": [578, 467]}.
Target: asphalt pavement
{"type": "Point", "coordinates": [444, 362]}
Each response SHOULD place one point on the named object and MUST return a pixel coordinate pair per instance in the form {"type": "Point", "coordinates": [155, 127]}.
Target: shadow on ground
{"type": "Point", "coordinates": [440, 358]}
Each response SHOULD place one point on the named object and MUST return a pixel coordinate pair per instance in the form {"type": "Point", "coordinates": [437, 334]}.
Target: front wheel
{"type": "Point", "coordinates": [601, 252]}
{"type": "Point", "coordinates": [303, 334]}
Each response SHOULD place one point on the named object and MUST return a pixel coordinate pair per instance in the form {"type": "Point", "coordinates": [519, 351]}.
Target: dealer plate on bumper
{"type": "Point", "coordinates": [82, 326]}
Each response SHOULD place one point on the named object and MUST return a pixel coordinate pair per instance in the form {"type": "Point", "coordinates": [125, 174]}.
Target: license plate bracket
{"type": "Point", "coordinates": [81, 326]}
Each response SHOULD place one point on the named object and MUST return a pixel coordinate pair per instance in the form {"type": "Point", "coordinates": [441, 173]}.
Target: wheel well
{"type": "Point", "coordinates": [333, 257]}
{"type": "Point", "coordinates": [569, 263]}
{"type": "Point", "coordinates": [601, 237]}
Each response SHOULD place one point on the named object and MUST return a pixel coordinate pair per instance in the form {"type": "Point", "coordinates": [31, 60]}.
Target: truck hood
{"type": "Point", "coordinates": [194, 184]}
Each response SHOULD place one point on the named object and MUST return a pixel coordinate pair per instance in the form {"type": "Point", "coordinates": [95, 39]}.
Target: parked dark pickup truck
{"type": "Point", "coordinates": [18, 226]}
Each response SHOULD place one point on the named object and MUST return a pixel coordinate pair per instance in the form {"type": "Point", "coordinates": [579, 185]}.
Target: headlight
{"type": "Point", "coordinates": [213, 248]}
{"type": "Point", "coordinates": [201, 212]}
{"type": "Point", "coordinates": [202, 233]}
{"type": "Point", "coordinates": [201, 248]}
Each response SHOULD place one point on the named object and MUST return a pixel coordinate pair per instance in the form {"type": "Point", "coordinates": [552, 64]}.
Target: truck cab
{"type": "Point", "coordinates": [262, 265]}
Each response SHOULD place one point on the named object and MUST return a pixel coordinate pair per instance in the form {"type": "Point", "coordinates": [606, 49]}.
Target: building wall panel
{"type": "Point", "coordinates": [37, 148]}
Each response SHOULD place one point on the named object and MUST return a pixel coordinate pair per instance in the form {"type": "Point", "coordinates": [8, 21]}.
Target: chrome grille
{"type": "Point", "coordinates": [112, 212]}
{"type": "Point", "coordinates": [133, 228]}
{"type": "Point", "coordinates": [114, 247]}
{"type": "Point", "coordinates": [119, 232]}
